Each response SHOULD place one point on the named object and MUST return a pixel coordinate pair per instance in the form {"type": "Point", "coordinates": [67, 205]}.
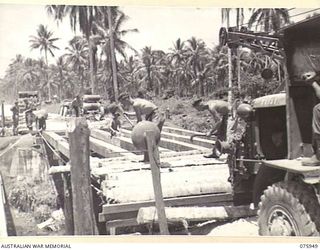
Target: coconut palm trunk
{"type": "Point", "coordinates": [91, 62]}
{"type": "Point", "coordinates": [47, 76]}
{"type": "Point", "coordinates": [113, 56]}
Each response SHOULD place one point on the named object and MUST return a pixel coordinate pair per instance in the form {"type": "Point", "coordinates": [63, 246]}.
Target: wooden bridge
{"type": "Point", "coordinates": [187, 178]}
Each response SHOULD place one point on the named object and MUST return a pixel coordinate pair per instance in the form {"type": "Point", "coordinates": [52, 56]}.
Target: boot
{"type": "Point", "coordinates": [212, 155]}
{"type": "Point", "coordinates": [315, 159]}
{"type": "Point", "coordinates": [312, 161]}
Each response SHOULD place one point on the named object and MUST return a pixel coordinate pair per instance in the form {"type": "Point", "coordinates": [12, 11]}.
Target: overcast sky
{"type": "Point", "coordinates": [158, 27]}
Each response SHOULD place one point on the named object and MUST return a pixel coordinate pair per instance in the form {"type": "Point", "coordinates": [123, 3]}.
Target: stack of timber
{"type": "Point", "coordinates": [184, 181]}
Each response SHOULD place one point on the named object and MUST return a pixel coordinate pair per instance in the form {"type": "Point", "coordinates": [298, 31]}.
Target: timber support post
{"type": "Point", "coordinates": [156, 180]}
{"type": "Point", "coordinates": [83, 213]}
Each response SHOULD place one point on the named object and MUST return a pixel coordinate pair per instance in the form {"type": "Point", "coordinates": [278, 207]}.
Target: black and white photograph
{"type": "Point", "coordinates": [145, 120]}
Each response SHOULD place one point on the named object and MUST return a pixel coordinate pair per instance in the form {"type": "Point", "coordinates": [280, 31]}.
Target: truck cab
{"type": "Point", "coordinates": [29, 96]}
{"type": "Point", "coordinates": [265, 164]}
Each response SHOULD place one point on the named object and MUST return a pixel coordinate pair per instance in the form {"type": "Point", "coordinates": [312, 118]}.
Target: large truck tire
{"type": "Point", "coordinates": [289, 209]}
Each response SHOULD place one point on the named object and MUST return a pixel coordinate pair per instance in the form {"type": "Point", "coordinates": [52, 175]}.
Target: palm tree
{"type": "Point", "coordinates": [178, 59]}
{"type": "Point", "coordinates": [151, 69]}
{"type": "Point", "coordinates": [112, 42]}
{"type": "Point", "coordinates": [270, 19]}
{"type": "Point", "coordinates": [128, 74]}
{"type": "Point", "coordinates": [14, 73]}
{"type": "Point", "coordinates": [44, 42]}
{"type": "Point", "coordinates": [62, 72]}
{"type": "Point", "coordinates": [81, 17]}
{"type": "Point", "coordinates": [31, 76]}
{"type": "Point", "coordinates": [196, 53]}
{"type": "Point", "coordinates": [76, 56]}
{"type": "Point", "coordinates": [148, 60]}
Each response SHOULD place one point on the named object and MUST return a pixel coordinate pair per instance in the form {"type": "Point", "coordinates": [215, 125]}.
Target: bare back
{"type": "Point", "coordinates": [219, 106]}
{"type": "Point", "coordinates": [145, 107]}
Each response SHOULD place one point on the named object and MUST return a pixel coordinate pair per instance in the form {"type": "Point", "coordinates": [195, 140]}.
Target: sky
{"type": "Point", "coordinates": [159, 27]}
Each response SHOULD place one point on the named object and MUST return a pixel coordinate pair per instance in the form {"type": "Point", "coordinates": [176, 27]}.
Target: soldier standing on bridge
{"type": "Point", "coordinates": [142, 108]}
{"type": "Point", "coordinates": [76, 105]}
{"type": "Point", "coordinates": [219, 110]}
{"type": "Point", "coordinates": [15, 117]}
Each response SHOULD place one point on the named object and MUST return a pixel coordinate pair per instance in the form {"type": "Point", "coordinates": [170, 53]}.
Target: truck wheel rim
{"type": "Point", "coordinates": [281, 222]}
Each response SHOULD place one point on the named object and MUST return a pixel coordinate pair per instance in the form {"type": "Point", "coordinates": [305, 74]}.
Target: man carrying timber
{"type": "Point", "coordinates": [219, 110]}
{"type": "Point", "coordinates": [142, 109]}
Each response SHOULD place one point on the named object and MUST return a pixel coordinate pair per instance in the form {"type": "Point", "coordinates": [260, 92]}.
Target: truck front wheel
{"type": "Point", "coordinates": [289, 209]}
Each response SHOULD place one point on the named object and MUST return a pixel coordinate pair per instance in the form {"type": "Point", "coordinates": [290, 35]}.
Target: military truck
{"type": "Point", "coordinates": [91, 106]}
{"type": "Point", "coordinates": [265, 164]}
{"type": "Point", "coordinates": [29, 96]}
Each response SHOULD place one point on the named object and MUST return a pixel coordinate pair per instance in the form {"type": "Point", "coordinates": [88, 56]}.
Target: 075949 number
{"type": "Point", "coordinates": [308, 246]}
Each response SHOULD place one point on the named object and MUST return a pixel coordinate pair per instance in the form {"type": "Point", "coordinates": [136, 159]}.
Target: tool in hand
{"type": "Point", "coordinates": [198, 135]}
{"type": "Point", "coordinates": [127, 118]}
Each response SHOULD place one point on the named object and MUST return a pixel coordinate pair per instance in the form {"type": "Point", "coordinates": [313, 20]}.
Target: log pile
{"type": "Point", "coordinates": [135, 186]}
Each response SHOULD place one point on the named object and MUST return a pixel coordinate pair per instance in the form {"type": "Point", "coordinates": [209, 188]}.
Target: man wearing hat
{"type": "Point", "coordinates": [219, 110]}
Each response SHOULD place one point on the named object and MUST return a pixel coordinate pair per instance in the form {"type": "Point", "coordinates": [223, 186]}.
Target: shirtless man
{"type": "Point", "coordinates": [112, 123]}
{"type": "Point", "coordinates": [219, 110]}
{"type": "Point", "coordinates": [142, 109]}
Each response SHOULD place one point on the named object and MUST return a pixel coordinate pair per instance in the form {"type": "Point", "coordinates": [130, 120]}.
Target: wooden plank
{"type": "Point", "coordinates": [163, 155]}
{"type": "Point", "coordinates": [83, 213]}
{"type": "Point", "coordinates": [107, 149]}
{"type": "Point", "coordinates": [105, 136]}
{"type": "Point", "coordinates": [182, 188]}
{"type": "Point", "coordinates": [149, 214]}
{"type": "Point", "coordinates": [169, 202]}
{"type": "Point", "coordinates": [174, 144]}
{"type": "Point", "coordinates": [58, 142]}
{"type": "Point", "coordinates": [182, 138]}
{"type": "Point", "coordinates": [181, 131]}
{"type": "Point", "coordinates": [292, 166]}
{"type": "Point", "coordinates": [59, 169]}
{"type": "Point", "coordinates": [156, 180]}
{"type": "Point", "coordinates": [122, 223]}
{"type": "Point", "coordinates": [124, 143]}
{"type": "Point", "coordinates": [173, 162]}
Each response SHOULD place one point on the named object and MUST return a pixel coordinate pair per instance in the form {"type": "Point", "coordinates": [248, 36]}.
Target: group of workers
{"type": "Point", "coordinates": [30, 115]}
{"type": "Point", "coordinates": [146, 110]}
{"type": "Point", "coordinates": [220, 111]}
